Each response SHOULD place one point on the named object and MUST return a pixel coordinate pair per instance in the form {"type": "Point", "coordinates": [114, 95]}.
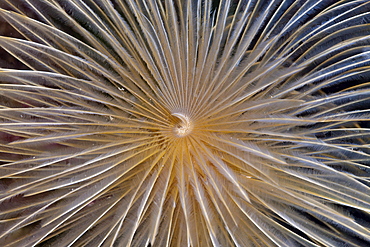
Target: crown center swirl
{"type": "Point", "coordinates": [184, 126]}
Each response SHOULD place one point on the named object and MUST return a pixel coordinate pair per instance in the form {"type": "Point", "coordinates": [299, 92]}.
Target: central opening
{"type": "Point", "coordinates": [184, 126]}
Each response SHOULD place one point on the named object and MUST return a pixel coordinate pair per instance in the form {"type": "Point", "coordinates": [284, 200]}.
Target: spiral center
{"type": "Point", "coordinates": [184, 126]}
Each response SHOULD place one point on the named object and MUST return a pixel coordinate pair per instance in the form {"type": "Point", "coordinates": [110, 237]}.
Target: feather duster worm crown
{"type": "Point", "coordinates": [185, 123]}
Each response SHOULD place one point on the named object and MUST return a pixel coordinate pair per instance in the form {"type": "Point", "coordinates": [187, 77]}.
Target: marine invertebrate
{"type": "Point", "coordinates": [185, 123]}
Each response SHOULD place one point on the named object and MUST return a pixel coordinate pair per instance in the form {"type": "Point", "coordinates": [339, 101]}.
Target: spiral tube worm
{"type": "Point", "coordinates": [185, 123]}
